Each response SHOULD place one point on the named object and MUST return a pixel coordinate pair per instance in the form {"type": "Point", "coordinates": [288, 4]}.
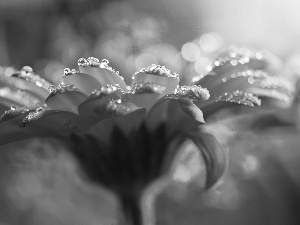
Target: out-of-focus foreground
{"type": "Point", "coordinates": [44, 185]}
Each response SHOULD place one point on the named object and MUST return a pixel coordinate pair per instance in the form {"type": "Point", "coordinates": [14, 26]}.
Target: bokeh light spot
{"type": "Point", "coordinates": [190, 52]}
{"type": "Point", "coordinates": [210, 42]}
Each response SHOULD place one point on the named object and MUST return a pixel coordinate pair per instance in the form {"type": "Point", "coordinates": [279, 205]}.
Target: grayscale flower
{"type": "Point", "coordinates": [126, 137]}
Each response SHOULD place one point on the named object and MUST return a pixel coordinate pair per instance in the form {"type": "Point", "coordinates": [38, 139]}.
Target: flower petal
{"type": "Point", "coordinates": [183, 116]}
{"type": "Point", "coordinates": [239, 79]}
{"type": "Point", "coordinates": [273, 97]}
{"type": "Point", "coordinates": [13, 113]}
{"type": "Point", "coordinates": [80, 123]}
{"type": "Point", "coordinates": [101, 130]}
{"type": "Point", "coordinates": [240, 98]}
{"type": "Point", "coordinates": [123, 114]}
{"type": "Point", "coordinates": [177, 114]}
{"type": "Point", "coordinates": [224, 68]}
{"type": "Point", "coordinates": [98, 98]}
{"type": "Point", "coordinates": [84, 82]}
{"type": "Point", "coordinates": [65, 98]}
{"type": "Point", "coordinates": [234, 100]}
{"type": "Point", "coordinates": [239, 71]}
{"type": "Point", "coordinates": [150, 84]}
{"type": "Point", "coordinates": [177, 109]}
{"type": "Point", "coordinates": [47, 125]}
{"type": "Point", "coordinates": [103, 73]}
{"type": "Point", "coordinates": [115, 107]}
{"type": "Point", "coordinates": [144, 100]}
{"type": "Point", "coordinates": [214, 156]}
{"type": "Point", "coordinates": [12, 96]}
{"type": "Point", "coordinates": [159, 75]}
{"type": "Point", "coordinates": [26, 73]}
{"type": "Point", "coordinates": [34, 88]}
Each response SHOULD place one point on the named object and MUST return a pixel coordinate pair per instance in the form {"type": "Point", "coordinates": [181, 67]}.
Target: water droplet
{"type": "Point", "coordinates": [94, 62]}
{"type": "Point", "coordinates": [93, 59]}
{"type": "Point", "coordinates": [13, 108]}
{"type": "Point", "coordinates": [152, 68]}
{"type": "Point", "coordinates": [27, 69]}
{"type": "Point", "coordinates": [83, 62]}
{"type": "Point", "coordinates": [38, 83]}
{"type": "Point", "coordinates": [39, 109]}
{"type": "Point", "coordinates": [197, 78]}
{"type": "Point", "coordinates": [105, 61]}
{"type": "Point", "coordinates": [209, 68]}
{"type": "Point", "coordinates": [26, 72]}
{"type": "Point", "coordinates": [52, 89]}
{"type": "Point", "coordinates": [32, 116]}
{"type": "Point", "coordinates": [217, 63]}
{"type": "Point", "coordinates": [67, 71]}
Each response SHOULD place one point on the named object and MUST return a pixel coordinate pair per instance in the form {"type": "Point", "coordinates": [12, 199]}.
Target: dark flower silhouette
{"type": "Point", "coordinates": [126, 137]}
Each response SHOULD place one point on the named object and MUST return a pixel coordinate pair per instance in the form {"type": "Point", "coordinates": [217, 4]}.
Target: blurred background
{"type": "Point", "coordinates": [263, 184]}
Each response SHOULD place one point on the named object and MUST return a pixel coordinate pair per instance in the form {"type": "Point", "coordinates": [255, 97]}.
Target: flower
{"type": "Point", "coordinates": [126, 137]}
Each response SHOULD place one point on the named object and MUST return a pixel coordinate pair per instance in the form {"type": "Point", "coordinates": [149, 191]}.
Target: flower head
{"type": "Point", "coordinates": [127, 136]}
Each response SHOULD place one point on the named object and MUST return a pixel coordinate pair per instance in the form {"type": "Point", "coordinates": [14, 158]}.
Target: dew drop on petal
{"type": "Point", "coordinates": [209, 68]}
{"type": "Point", "coordinates": [32, 116]}
{"type": "Point", "coordinates": [217, 63]}
{"type": "Point", "coordinates": [39, 83]}
{"type": "Point", "coordinates": [94, 62]}
{"type": "Point", "coordinates": [52, 89]}
{"type": "Point", "coordinates": [197, 78]}
{"type": "Point", "coordinates": [27, 69]}
{"type": "Point", "coordinates": [83, 62]}
{"type": "Point", "coordinates": [93, 59]}
{"type": "Point", "coordinates": [67, 71]}
{"type": "Point", "coordinates": [105, 61]}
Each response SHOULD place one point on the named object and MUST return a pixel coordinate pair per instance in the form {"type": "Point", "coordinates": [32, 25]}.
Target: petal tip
{"type": "Point", "coordinates": [193, 93]}
{"type": "Point", "coordinates": [158, 70]}
{"type": "Point", "coordinates": [240, 98]}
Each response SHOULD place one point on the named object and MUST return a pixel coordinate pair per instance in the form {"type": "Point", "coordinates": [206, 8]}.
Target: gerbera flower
{"type": "Point", "coordinates": [126, 137]}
